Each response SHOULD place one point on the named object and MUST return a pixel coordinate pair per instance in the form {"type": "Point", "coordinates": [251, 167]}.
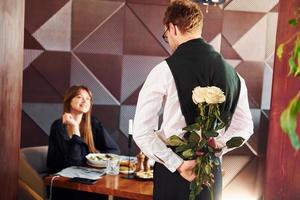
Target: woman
{"type": "Point", "coordinates": [77, 134]}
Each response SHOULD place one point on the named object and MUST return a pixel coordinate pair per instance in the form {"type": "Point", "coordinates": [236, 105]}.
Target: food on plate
{"type": "Point", "coordinates": [127, 163]}
{"type": "Point", "coordinates": [125, 169]}
{"type": "Point", "coordinates": [98, 159]}
{"type": "Point", "coordinates": [145, 174]}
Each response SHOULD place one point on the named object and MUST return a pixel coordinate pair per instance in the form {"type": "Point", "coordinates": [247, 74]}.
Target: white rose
{"type": "Point", "coordinates": [214, 95]}
{"type": "Point", "coordinates": [198, 94]}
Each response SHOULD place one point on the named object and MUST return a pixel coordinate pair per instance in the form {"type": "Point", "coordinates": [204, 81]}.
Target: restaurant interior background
{"type": "Point", "coordinates": [111, 46]}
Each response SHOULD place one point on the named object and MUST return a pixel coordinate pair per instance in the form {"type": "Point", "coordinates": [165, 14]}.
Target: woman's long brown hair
{"type": "Point", "coordinates": [85, 124]}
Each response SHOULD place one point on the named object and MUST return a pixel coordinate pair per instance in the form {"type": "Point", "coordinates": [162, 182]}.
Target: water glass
{"type": "Point", "coordinates": [113, 166]}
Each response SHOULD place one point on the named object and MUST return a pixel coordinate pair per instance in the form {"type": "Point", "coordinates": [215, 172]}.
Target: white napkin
{"type": "Point", "coordinates": [82, 172]}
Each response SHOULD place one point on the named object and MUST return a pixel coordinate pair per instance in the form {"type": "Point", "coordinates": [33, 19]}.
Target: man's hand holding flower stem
{"type": "Point", "coordinates": [186, 170]}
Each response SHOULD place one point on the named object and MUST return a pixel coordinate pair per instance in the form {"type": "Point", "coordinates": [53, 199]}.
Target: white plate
{"type": "Point", "coordinates": [102, 165]}
{"type": "Point", "coordinates": [98, 159]}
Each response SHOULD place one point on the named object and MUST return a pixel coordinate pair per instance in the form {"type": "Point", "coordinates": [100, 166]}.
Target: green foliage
{"type": "Point", "coordinates": [192, 127]}
{"type": "Point", "coordinates": [174, 140]}
{"type": "Point", "coordinates": [235, 142]}
{"type": "Point", "coordinates": [288, 118]}
{"type": "Point", "coordinates": [288, 121]}
{"type": "Point", "coordinates": [188, 154]}
{"type": "Point", "coordinates": [279, 51]}
{"type": "Point", "coordinates": [193, 138]}
{"type": "Point", "coordinates": [210, 133]}
{"type": "Point", "coordinates": [293, 22]}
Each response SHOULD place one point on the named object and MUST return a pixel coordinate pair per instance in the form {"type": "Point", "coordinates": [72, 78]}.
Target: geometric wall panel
{"type": "Point", "coordinates": [254, 38]}
{"type": "Point", "coordinates": [108, 116]}
{"type": "Point", "coordinates": [132, 99]}
{"type": "Point", "coordinates": [55, 34]}
{"type": "Point", "coordinates": [43, 114]}
{"type": "Point", "coordinates": [37, 89]}
{"type": "Point", "coordinates": [82, 75]}
{"type": "Point", "coordinates": [30, 42]}
{"type": "Point", "coordinates": [230, 171]}
{"type": "Point", "coordinates": [227, 51]}
{"type": "Point", "coordinates": [126, 113]}
{"type": "Point", "coordinates": [267, 88]}
{"type": "Point", "coordinates": [252, 72]}
{"type": "Point", "coordinates": [232, 21]}
{"type": "Point", "coordinates": [246, 184]}
{"type": "Point", "coordinates": [138, 40]}
{"type": "Point", "coordinates": [108, 38]}
{"type": "Point", "coordinates": [88, 15]}
{"type": "Point", "coordinates": [38, 12]}
{"type": "Point", "coordinates": [233, 63]}
{"type": "Point", "coordinates": [156, 2]}
{"type": "Point", "coordinates": [270, 61]}
{"type": "Point", "coordinates": [150, 20]}
{"type": "Point", "coordinates": [253, 141]}
{"type": "Point", "coordinates": [107, 69]}
{"type": "Point", "coordinates": [54, 67]}
{"type": "Point", "coordinates": [135, 71]}
{"type": "Point", "coordinates": [216, 42]}
{"type": "Point", "coordinates": [212, 24]}
{"type": "Point", "coordinates": [252, 6]}
{"type": "Point", "coordinates": [32, 134]}
{"type": "Point", "coordinates": [29, 56]}
{"type": "Point", "coordinates": [271, 33]}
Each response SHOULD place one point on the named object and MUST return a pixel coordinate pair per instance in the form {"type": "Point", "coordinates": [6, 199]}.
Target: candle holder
{"type": "Point", "coordinates": [129, 175]}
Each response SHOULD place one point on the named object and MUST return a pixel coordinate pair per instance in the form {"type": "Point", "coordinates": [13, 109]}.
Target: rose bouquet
{"type": "Point", "coordinates": [196, 141]}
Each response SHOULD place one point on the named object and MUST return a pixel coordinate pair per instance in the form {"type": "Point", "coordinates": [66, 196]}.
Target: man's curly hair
{"type": "Point", "coordinates": [186, 14]}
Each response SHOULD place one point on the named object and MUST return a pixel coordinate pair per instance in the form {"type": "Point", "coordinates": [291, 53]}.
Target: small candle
{"type": "Point", "coordinates": [130, 129]}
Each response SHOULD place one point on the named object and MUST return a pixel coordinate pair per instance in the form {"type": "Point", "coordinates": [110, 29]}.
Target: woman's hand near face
{"type": "Point", "coordinates": [69, 120]}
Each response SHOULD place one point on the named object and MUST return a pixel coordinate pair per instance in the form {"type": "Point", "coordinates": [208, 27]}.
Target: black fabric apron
{"type": "Point", "coordinates": [171, 186]}
{"type": "Point", "coordinates": [196, 63]}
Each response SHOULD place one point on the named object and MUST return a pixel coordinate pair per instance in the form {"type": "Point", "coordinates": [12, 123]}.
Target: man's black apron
{"type": "Point", "coordinates": [196, 63]}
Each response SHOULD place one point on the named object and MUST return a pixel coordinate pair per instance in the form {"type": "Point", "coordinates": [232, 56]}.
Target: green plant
{"type": "Point", "coordinates": [288, 118]}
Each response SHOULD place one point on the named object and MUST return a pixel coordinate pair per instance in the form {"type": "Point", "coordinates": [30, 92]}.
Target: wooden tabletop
{"type": "Point", "coordinates": [114, 185]}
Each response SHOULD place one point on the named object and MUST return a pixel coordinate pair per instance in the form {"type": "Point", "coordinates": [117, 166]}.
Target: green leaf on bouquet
{"type": "Point", "coordinates": [211, 133]}
{"type": "Point", "coordinates": [220, 126]}
{"type": "Point", "coordinates": [182, 148]}
{"type": "Point", "coordinates": [202, 143]}
{"type": "Point", "coordinates": [188, 154]}
{"type": "Point", "coordinates": [199, 119]}
{"type": "Point", "coordinates": [175, 141]}
{"type": "Point", "coordinates": [235, 142]}
{"type": "Point", "coordinates": [193, 138]}
{"type": "Point", "coordinates": [192, 127]}
{"type": "Point", "coordinates": [207, 169]}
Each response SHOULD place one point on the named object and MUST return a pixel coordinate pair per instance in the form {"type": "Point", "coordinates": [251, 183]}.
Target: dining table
{"type": "Point", "coordinates": [111, 185]}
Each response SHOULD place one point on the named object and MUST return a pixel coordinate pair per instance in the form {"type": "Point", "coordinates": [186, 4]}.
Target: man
{"type": "Point", "coordinates": [169, 86]}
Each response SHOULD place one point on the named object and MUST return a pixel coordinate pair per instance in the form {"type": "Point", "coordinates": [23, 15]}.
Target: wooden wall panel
{"type": "Point", "coordinates": [11, 65]}
{"type": "Point", "coordinates": [282, 175]}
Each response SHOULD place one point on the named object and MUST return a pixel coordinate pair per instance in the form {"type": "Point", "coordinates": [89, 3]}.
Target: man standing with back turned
{"type": "Point", "coordinates": [169, 86]}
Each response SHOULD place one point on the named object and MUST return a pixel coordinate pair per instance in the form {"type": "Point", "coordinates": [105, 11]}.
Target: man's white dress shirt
{"type": "Point", "coordinates": [159, 92]}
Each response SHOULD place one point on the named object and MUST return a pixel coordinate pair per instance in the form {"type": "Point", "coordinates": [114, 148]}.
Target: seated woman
{"type": "Point", "coordinates": [77, 134]}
